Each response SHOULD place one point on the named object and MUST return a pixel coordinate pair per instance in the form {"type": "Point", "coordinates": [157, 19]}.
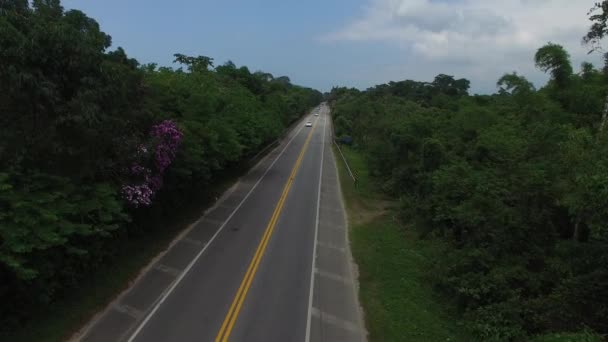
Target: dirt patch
{"type": "Point", "coordinates": [365, 211]}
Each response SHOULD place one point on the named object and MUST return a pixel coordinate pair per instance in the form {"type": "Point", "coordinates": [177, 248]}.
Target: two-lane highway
{"type": "Point", "coordinates": [271, 305]}
{"type": "Point", "coordinates": [245, 271]}
{"type": "Point", "coordinates": [252, 281]}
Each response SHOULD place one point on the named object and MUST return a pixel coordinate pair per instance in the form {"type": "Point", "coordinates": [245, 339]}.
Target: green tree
{"type": "Point", "coordinates": [511, 183]}
{"type": "Point", "coordinates": [598, 30]}
{"type": "Point", "coordinates": [555, 59]}
{"type": "Point", "coordinates": [77, 120]}
{"type": "Point", "coordinates": [450, 86]}
{"type": "Point", "coordinates": [514, 84]}
{"type": "Point", "coordinates": [194, 64]}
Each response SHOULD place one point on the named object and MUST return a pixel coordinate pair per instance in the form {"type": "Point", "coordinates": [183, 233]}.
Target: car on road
{"type": "Point", "coordinates": [308, 124]}
{"type": "Point", "coordinates": [316, 114]}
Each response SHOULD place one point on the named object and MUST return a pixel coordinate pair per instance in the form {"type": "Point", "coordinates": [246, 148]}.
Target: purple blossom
{"type": "Point", "coordinates": [138, 170]}
{"type": "Point", "coordinates": [155, 182]}
{"type": "Point", "coordinates": [138, 195]}
{"type": "Point", "coordinates": [167, 137]}
{"type": "Point", "coordinates": [142, 149]}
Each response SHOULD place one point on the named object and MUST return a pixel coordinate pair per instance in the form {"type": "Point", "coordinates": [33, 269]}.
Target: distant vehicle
{"type": "Point", "coordinates": [316, 114]}
{"type": "Point", "coordinates": [309, 124]}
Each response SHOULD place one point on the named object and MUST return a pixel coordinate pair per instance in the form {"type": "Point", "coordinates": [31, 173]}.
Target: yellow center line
{"type": "Point", "coordinates": [241, 293]}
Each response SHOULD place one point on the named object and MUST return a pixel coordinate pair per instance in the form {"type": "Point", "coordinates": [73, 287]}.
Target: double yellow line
{"type": "Point", "coordinates": [241, 294]}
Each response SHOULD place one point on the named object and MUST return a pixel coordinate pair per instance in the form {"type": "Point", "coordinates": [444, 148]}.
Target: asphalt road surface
{"type": "Point", "coordinates": [269, 262]}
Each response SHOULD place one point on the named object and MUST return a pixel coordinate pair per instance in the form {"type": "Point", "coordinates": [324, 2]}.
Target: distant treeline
{"type": "Point", "coordinates": [515, 183]}
{"type": "Point", "coordinates": [94, 147]}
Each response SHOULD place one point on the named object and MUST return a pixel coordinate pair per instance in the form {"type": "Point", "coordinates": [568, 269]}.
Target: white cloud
{"type": "Point", "coordinates": [480, 39]}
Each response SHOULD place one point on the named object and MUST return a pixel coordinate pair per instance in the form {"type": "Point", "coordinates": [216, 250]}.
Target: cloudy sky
{"type": "Point", "coordinates": [359, 43]}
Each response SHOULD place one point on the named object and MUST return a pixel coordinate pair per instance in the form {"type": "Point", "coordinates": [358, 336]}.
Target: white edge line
{"type": "Point", "coordinates": [191, 264]}
{"type": "Point", "coordinates": [314, 246]}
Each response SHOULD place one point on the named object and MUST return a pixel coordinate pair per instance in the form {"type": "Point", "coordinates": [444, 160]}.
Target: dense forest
{"type": "Point", "coordinates": [515, 183]}
{"type": "Point", "coordinates": [95, 148]}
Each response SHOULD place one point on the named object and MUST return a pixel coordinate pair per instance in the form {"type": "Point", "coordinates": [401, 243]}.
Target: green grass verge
{"type": "Point", "coordinates": [397, 298]}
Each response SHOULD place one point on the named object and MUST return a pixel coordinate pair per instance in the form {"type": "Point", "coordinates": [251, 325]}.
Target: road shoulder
{"type": "Point", "coordinates": [335, 312]}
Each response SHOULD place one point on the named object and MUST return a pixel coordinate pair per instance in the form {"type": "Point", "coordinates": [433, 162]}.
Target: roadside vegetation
{"type": "Point", "coordinates": [100, 156]}
{"type": "Point", "coordinates": [504, 196]}
{"type": "Point", "coordinates": [392, 260]}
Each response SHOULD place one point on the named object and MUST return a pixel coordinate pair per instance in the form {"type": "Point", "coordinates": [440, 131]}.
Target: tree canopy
{"type": "Point", "coordinates": [512, 183]}
{"type": "Point", "coordinates": [95, 148]}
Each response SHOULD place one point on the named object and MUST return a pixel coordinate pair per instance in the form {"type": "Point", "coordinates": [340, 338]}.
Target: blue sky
{"type": "Point", "coordinates": [356, 43]}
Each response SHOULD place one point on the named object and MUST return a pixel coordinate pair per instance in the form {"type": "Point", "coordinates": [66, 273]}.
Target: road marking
{"type": "Point", "coordinates": [128, 310]}
{"type": "Point", "coordinates": [336, 321]}
{"type": "Point", "coordinates": [333, 276]}
{"type": "Point", "coordinates": [241, 294]}
{"type": "Point", "coordinates": [219, 230]}
{"type": "Point", "coordinates": [167, 269]}
{"type": "Point", "coordinates": [314, 245]}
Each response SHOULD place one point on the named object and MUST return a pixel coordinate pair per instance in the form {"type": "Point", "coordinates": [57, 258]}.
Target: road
{"type": "Point", "coordinates": [269, 262]}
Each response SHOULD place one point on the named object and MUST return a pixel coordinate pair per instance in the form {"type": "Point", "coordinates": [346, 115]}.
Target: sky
{"type": "Point", "coordinates": [353, 43]}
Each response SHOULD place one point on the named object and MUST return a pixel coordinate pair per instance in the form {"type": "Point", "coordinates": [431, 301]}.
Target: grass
{"type": "Point", "coordinates": [397, 298]}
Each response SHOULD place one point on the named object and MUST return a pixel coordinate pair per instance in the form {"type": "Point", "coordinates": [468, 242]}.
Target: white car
{"type": "Point", "coordinates": [309, 124]}
{"type": "Point", "coordinates": [316, 114]}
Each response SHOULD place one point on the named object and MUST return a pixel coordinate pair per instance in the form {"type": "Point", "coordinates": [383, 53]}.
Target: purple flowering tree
{"type": "Point", "coordinates": [150, 164]}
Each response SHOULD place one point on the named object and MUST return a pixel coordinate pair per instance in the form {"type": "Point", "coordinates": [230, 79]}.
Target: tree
{"type": "Point", "coordinates": [283, 80]}
{"type": "Point", "coordinates": [598, 15]}
{"type": "Point", "coordinates": [587, 70]}
{"type": "Point", "coordinates": [264, 76]}
{"type": "Point", "coordinates": [513, 184]}
{"type": "Point", "coordinates": [97, 150]}
{"type": "Point", "coordinates": [515, 84]}
{"type": "Point", "coordinates": [555, 59]}
{"type": "Point", "coordinates": [194, 64]}
{"type": "Point", "coordinates": [596, 33]}
{"type": "Point", "coordinates": [450, 86]}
